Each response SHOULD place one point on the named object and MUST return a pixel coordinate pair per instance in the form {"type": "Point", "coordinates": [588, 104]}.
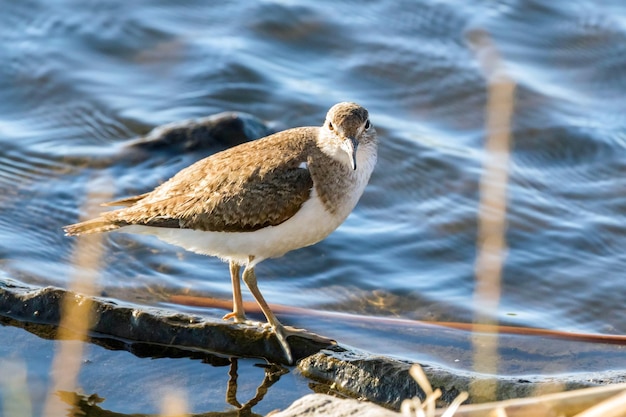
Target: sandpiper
{"type": "Point", "coordinates": [258, 200]}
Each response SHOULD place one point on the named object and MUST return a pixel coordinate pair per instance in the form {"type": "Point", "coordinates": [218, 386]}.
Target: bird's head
{"type": "Point", "coordinates": [347, 127]}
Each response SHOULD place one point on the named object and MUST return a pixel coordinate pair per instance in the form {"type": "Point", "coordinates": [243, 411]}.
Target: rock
{"type": "Point", "coordinates": [212, 133]}
{"type": "Point", "coordinates": [194, 138]}
{"type": "Point", "coordinates": [609, 399]}
{"type": "Point", "coordinates": [147, 330]}
{"type": "Point", "coordinates": [378, 379]}
{"type": "Point", "coordinates": [386, 381]}
{"type": "Point", "coordinates": [314, 405]}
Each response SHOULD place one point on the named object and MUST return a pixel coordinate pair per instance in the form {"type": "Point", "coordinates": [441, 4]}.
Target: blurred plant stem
{"type": "Point", "coordinates": [14, 389]}
{"type": "Point", "coordinates": [492, 209]}
{"type": "Point", "coordinates": [76, 312]}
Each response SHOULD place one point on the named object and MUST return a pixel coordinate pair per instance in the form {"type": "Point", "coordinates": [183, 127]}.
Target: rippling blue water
{"type": "Point", "coordinates": [79, 79]}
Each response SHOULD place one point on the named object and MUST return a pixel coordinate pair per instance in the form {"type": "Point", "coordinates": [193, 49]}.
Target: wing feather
{"type": "Point", "coordinates": [246, 188]}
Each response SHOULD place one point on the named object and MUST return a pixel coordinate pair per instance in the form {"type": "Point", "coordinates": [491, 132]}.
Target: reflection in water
{"type": "Point", "coordinates": [272, 374]}
{"type": "Point", "coordinates": [90, 405]}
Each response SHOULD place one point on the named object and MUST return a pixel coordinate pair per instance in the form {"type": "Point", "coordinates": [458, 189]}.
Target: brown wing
{"type": "Point", "coordinates": [260, 202]}
{"type": "Point", "coordinates": [246, 188]}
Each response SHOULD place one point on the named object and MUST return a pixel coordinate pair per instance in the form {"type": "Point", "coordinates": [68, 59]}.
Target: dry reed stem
{"type": "Point", "coordinates": [174, 404]}
{"type": "Point", "coordinates": [612, 407]}
{"type": "Point", "coordinates": [414, 407]}
{"type": "Point", "coordinates": [455, 404]}
{"type": "Point", "coordinates": [491, 215]}
{"type": "Point", "coordinates": [609, 399]}
{"type": "Point", "coordinates": [76, 313]}
{"type": "Point", "coordinates": [14, 389]}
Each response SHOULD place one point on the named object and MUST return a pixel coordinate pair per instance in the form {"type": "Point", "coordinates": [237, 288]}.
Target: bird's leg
{"type": "Point", "coordinates": [238, 313]}
{"type": "Point", "coordinates": [249, 277]}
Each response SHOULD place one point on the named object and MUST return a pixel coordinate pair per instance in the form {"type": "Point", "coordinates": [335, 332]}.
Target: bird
{"type": "Point", "coordinates": [257, 200]}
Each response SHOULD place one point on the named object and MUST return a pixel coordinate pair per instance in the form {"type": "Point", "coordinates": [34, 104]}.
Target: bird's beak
{"type": "Point", "coordinates": [349, 145]}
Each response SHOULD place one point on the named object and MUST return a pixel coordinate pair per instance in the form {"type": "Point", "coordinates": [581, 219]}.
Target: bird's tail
{"type": "Point", "coordinates": [97, 225]}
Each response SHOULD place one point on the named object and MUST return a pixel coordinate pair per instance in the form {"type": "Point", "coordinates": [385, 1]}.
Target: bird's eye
{"type": "Point", "coordinates": [367, 124]}
{"type": "Point", "coordinates": [330, 126]}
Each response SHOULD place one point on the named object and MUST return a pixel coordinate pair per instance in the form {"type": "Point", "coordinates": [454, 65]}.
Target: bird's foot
{"type": "Point", "coordinates": [293, 331]}
{"type": "Point", "coordinates": [281, 335]}
{"type": "Point", "coordinates": [237, 317]}
{"type": "Point", "coordinates": [283, 332]}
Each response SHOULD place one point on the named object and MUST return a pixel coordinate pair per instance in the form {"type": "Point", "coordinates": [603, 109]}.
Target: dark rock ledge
{"type": "Point", "coordinates": [345, 372]}
{"type": "Point", "coordinates": [151, 329]}
{"type": "Point", "coordinates": [387, 382]}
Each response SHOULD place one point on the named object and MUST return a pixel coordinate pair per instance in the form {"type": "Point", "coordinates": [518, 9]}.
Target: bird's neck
{"type": "Point", "coordinates": [338, 186]}
{"type": "Point", "coordinates": [330, 147]}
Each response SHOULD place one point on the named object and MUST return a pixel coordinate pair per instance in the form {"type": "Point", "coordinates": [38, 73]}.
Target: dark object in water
{"type": "Point", "coordinates": [216, 132]}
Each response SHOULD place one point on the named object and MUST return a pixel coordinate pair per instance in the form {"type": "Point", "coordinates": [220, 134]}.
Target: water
{"type": "Point", "coordinates": [80, 79]}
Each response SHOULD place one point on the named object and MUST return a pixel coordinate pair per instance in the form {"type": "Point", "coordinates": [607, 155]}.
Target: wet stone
{"type": "Point", "coordinates": [320, 405]}
{"type": "Point", "coordinates": [39, 309]}
{"type": "Point", "coordinates": [214, 133]}
{"type": "Point", "coordinates": [194, 138]}
{"type": "Point", "coordinates": [386, 381]}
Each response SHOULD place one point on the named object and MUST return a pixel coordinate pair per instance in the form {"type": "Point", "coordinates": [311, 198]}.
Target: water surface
{"type": "Point", "coordinates": [79, 80]}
